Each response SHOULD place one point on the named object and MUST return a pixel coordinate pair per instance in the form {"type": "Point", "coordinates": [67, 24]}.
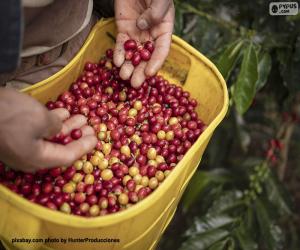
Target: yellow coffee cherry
{"type": "Point", "coordinates": [153, 183]}
{"type": "Point", "coordinates": [161, 135]}
{"type": "Point", "coordinates": [94, 210]}
{"type": "Point", "coordinates": [65, 208]}
{"type": "Point", "coordinates": [109, 90]}
{"type": "Point", "coordinates": [89, 179]}
{"type": "Point", "coordinates": [151, 154]}
{"type": "Point", "coordinates": [106, 148]}
{"type": "Point", "coordinates": [123, 199]}
{"type": "Point", "coordinates": [132, 112]}
{"type": "Point", "coordinates": [152, 163]}
{"type": "Point", "coordinates": [137, 178]}
{"type": "Point", "coordinates": [170, 135]}
{"type": "Point", "coordinates": [138, 105]}
{"type": "Point", "coordinates": [173, 121]}
{"type": "Point", "coordinates": [136, 139]}
{"type": "Point", "coordinates": [78, 177]}
{"type": "Point", "coordinates": [99, 154]}
{"type": "Point", "coordinates": [133, 171]}
{"type": "Point", "coordinates": [102, 135]}
{"type": "Point", "coordinates": [102, 127]}
{"type": "Point", "coordinates": [160, 159]}
{"type": "Point", "coordinates": [145, 181]}
{"type": "Point", "coordinates": [107, 174]}
{"type": "Point", "coordinates": [103, 164]}
{"type": "Point", "coordinates": [95, 160]}
{"type": "Point", "coordinates": [68, 188]}
{"type": "Point", "coordinates": [160, 175]}
{"type": "Point", "coordinates": [125, 150]}
{"type": "Point", "coordinates": [88, 167]}
{"type": "Point", "coordinates": [78, 165]}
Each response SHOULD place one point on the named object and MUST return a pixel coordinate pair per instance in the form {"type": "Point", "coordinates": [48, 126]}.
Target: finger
{"type": "Point", "coordinates": [61, 113]}
{"type": "Point", "coordinates": [53, 154]}
{"type": "Point", "coordinates": [138, 76]}
{"type": "Point", "coordinates": [87, 130]}
{"type": "Point", "coordinates": [154, 14]}
{"type": "Point", "coordinates": [53, 123]}
{"type": "Point", "coordinates": [76, 121]}
{"type": "Point", "coordinates": [119, 53]}
{"type": "Point", "coordinates": [126, 70]}
{"type": "Point", "coordinates": [161, 51]}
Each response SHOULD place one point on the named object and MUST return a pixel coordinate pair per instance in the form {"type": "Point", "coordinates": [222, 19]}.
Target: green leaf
{"type": "Point", "coordinates": [215, 152]}
{"type": "Point", "coordinates": [264, 68]}
{"type": "Point", "coordinates": [196, 186]}
{"type": "Point", "coordinates": [208, 223]}
{"type": "Point", "coordinates": [245, 238]}
{"type": "Point", "coordinates": [226, 202]}
{"type": "Point", "coordinates": [200, 182]}
{"type": "Point", "coordinates": [271, 234]}
{"type": "Point", "coordinates": [178, 21]}
{"type": "Point", "coordinates": [204, 240]}
{"type": "Point", "coordinates": [245, 86]}
{"type": "Point", "coordinates": [228, 58]}
{"type": "Point", "coordinates": [219, 245]}
{"type": "Point", "coordinates": [250, 221]}
{"type": "Point", "coordinates": [277, 195]}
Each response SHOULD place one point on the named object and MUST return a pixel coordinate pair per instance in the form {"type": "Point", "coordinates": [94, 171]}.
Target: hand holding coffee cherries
{"type": "Point", "coordinates": [24, 126]}
{"type": "Point", "coordinates": [146, 23]}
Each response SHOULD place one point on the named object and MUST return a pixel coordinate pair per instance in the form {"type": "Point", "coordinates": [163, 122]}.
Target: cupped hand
{"type": "Point", "coordinates": [143, 20]}
{"type": "Point", "coordinates": [25, 126]}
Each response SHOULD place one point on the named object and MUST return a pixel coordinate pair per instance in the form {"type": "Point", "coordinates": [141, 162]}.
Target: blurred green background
{"type": "Point", "coordinates": [246, 195]}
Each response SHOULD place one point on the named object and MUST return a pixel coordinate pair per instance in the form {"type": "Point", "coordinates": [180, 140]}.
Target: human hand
{"type": "Point", "coordinates": [143, 20]}
{"type": "Point", "coordinates": [24, 126]}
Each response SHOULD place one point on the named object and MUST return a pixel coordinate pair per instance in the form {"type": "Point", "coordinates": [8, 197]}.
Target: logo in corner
{"type": "Point", "coordinates": [283, 8]}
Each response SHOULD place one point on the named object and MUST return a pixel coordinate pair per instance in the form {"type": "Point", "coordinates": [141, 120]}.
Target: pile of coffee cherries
{"type": "Point", "coordinates": [137, 53]}
{"type": "Point", "coordinates": [142, 134]}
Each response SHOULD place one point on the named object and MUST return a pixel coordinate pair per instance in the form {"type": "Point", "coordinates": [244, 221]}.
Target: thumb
{"type": "Point", "coordinates": [154, 14]}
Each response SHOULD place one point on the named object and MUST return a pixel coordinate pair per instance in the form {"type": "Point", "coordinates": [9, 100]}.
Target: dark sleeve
{"type": "Point", "coordinates": [10, 34]}
{"type": "Point", "coordinates": [104, 8]}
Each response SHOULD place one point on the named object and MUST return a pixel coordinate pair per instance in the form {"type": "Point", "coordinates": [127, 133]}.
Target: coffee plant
{"type": "Point", "coordinates": [245, 194]}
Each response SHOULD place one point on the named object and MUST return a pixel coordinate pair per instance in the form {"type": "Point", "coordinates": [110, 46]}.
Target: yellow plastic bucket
{"type": "Point", "coordinates": [141, 226]}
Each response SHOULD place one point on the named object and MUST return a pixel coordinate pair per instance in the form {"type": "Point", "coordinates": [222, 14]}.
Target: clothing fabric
{"type": "Point", "coordinates": [50, 26]}
{"type": "Point", "coordinates": [10, 34]}
{"type": "Point", "coordinates": [54, 31]}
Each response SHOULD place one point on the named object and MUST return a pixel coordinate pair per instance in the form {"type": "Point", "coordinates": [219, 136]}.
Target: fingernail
{"type": "Point", "coordinates": [142, 24]}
